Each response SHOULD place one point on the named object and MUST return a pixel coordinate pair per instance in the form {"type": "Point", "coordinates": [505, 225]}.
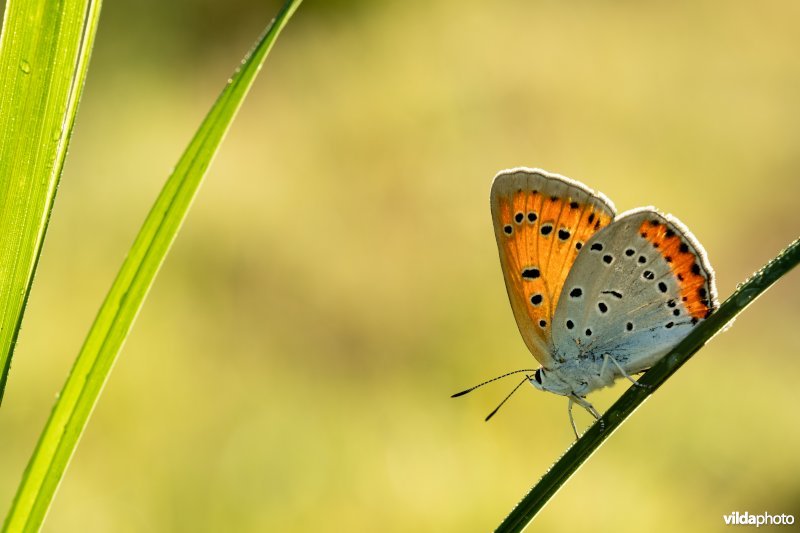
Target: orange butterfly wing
{"type": "Point", "coordinates": [541, 222]}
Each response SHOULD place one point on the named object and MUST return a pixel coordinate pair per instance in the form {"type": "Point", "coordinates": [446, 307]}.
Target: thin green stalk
{"type": "Point", "coordinates": [44, 55]}
{"type": "Point", "coordinates": [575, 456]}
{"type": "Point", "coordinates": [71, 412]}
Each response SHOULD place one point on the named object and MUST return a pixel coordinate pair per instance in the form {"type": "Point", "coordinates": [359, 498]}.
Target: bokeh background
{"type": "Point", "coordinates": [337, 278]}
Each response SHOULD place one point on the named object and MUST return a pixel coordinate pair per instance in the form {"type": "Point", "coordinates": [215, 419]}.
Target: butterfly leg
{"type": "Point", "coordinates": [573, 398]}
{"type": "Point", "coordinates": [572, 420]}
{"type": "Point", "coordinates": [608, 357]}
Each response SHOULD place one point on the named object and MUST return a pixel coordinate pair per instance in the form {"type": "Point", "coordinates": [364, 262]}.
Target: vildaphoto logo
{"type": "Point", "coordinates": [764, 519]}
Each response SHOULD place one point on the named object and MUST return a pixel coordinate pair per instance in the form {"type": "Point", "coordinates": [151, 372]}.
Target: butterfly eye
{"type": "Point", "coordinates": [538, 376]}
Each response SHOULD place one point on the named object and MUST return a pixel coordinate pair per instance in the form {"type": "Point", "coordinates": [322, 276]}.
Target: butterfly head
{"type": "Point", "coordinates": [552, 381]}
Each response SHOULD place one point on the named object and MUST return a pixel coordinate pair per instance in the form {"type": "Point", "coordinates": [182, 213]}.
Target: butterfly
{"type": "Point", "coordinates": [596, 296]}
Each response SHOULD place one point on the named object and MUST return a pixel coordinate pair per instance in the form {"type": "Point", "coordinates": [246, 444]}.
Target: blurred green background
{"type": "Point", "coordinates": [338, 278]}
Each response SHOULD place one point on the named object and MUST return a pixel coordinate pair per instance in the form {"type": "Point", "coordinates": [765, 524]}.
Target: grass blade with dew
{"type": "Point", "coordinates": [44, 55]}
{"type": "Point", "coordinates": [554, 479]}
{"type": "Point", "coordinates": [79, 395]}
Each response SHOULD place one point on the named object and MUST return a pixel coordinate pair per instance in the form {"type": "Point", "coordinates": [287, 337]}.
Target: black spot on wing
{"type": "Point", "coordinates": [615, 294]}
{"type": "Point", "coordinates": [531, 273]}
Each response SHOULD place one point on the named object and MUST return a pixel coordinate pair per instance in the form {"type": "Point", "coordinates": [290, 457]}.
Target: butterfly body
{"type": "Point", "coordinates": [596, 296]}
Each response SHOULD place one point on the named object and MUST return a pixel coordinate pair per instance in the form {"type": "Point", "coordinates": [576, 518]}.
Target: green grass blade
{"type": "Point", "coordinates": [44, 54]}
{"type": "Point", "coordinates": [575, 456]}
{"type": "Point", "coordinates": [115, 318]}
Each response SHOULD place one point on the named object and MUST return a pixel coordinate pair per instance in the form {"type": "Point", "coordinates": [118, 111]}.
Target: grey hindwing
{"type": "Point", "coordinates": [622, 298]}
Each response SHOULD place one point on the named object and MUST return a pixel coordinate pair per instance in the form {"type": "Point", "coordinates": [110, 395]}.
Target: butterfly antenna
{"type": "Point", "coordinates": [490, 415]}
{"type": "Point", "coordinates": [463, 392]}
